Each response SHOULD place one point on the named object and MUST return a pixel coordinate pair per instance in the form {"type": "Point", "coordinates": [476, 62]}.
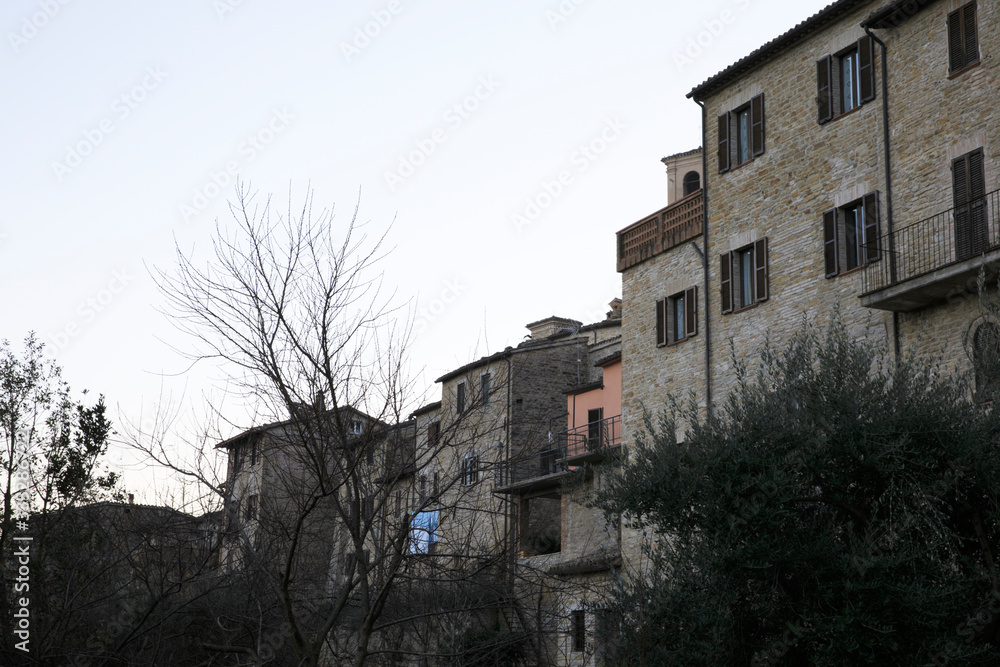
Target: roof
{"type": "Point", "coordinates": [611, 358]}
{"type": "Point", "coordinates": [895, 13]}
{"type": "Point", "coordinates": [755, 59]}
{"type": "Point", "coordinates": [527, 345]}
{"type": "Point", "coordinates": [430, 407]}
{"type": "Point", "coordinates": [693, 151]}
{"type": "Point", "coordinates": [229, 442]}
{"type": "Point", "coordinates": [583, 388]}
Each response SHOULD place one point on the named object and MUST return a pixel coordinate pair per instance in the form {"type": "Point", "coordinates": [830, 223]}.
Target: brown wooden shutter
{"type": "Point", "coordinates": [726, 283]}
{"type": "Point", "coordinates": [960, 191]}
{"type": "Point", "coordinates": [872, 227]}
{"type": "Point", "coordinates": [866, 68]}
{"type": "Point", "coordinates": [661, 329]}
{"type": "Point", "coordinates": [691, 311]}
{"type": "Point", "coordinates": [760, 270]}
{"type": "Point", "coordinates": [969, 34]}
{"type": "Point", "coordinates": [830, 242]}
{"type": "Point", "coordinates": [956, 54]}
{"type": "Point", "coordinates": [824, 83]}
{"type": "Point", "coordinates": [757, 126]}
{"type": "Point", "coordinates": [978, 220]}
{"type": "Point", "coordinates": [724, 143]}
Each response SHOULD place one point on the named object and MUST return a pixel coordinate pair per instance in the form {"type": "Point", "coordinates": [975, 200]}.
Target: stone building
{"type": "Point", "coordinates": [850, 165]}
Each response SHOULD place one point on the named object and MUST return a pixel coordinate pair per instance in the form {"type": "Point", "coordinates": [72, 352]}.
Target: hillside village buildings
{"type": "Point", "coordinates": [850, 167]}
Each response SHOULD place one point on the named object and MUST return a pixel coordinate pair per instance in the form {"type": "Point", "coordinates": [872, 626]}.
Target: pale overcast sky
{"type": "Point", "coordinates": [120, 119]}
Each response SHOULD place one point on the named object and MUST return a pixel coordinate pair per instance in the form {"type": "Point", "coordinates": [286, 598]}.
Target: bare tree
{"type": "Point", "coordinates": [330, 510]}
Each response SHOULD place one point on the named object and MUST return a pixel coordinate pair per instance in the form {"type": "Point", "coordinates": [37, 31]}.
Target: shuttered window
{"type": "Point", "coordinates": [963, 39]}
{"type": "Point", "coordinates": [744, 276]}
{"type": "Point", "coordinates": [845, 80]}
{"type": "Point", "coordinates": [677, 317]}
{"type": "Point", "coordinates": [741, 134]}
{"type": "Point", "coordinates": [969, 188]}
{"type": "Point", "coordinates": [851, 235]}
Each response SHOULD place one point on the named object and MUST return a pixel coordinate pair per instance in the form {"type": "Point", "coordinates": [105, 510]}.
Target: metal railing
{"type": "Point", "coordinates": [948, 237]}
{"type": "Point", "coordinates": [668, 227]}
{"type": "Point", "coordinates": [593, 437]}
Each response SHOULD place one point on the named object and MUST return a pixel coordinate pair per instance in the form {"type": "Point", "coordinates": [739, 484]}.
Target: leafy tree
{"type": "Point", "coordinates": [838, 509]}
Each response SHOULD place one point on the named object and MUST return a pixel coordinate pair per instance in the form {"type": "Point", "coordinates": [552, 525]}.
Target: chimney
{"type": "Point", "coordinates": [131, 499]}
{"type": "Point", "coordinates": [551, 326]}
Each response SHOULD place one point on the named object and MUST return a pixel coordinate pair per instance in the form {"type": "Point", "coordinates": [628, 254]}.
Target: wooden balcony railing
{"type": "Point", "coordinates": [665, 229]}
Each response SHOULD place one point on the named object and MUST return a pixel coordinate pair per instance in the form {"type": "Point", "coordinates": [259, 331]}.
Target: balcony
{"type": "Point", "coordinates": [665, 229]}
{"type": "Point", "coordinates": [936, 258]}
{"type": "Point", "coordinates": [593, 442]}
{"type": "Point", "coordinates": [548, 469]}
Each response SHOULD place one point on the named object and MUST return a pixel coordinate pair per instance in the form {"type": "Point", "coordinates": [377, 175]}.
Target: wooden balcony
{"type": "Point", "coordinates": [665, 229]}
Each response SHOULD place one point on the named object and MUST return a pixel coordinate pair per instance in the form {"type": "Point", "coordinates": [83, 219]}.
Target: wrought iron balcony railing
{"type": "Point", "coordinates": [947, 238]}
{"type": "Point", "coordinates": [593, 437]}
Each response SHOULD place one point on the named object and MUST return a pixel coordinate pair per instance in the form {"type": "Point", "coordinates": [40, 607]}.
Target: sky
{"type": "Point", "coordinates": [501, 145]}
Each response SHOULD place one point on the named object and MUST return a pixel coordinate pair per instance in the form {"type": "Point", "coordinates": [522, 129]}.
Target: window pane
{"type": "Point", "coordinates": [848, 81]}
{"type": "Point", "coordinates": [679, 318]}
{"type": "Point", "coordinates": [746, 278]}
{"type": "Point", "coordinates": [744, 142]}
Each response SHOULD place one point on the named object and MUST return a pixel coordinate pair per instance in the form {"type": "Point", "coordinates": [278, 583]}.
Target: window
{"type": "Point", "coordinates": [986, 358]}
{"type": "Point", "coordinates": [356, 427]}
{"type": "Point", "coordinates": [424, 532]}
{"type": "Point", "coordinates": [250, 510]}
{"type": "Point", "coordinates": [969, 189]}
{"type": "Point", "coordinates": [677, 317]}
{"type": "Point", "coordinates": [578, 630]}
{"type": "Point", "coordinates": [470, 468]}
{"type": "Point", "coordinates": [741, 134]}
{"type": "Point", "coordinates": [845, 80]}
{"type": "Point", "coordinates": [744, 276]}
{"type": "Point", "coordinates": [851, 235]}
{"type": "Point", "coordinates": [963, 42]}
{"type": "Point", "coordinates": [484, 387]}
{"type": "Point", "coordinates": [460, 397]}
{"type": "Point", "coordinates": [692, 182]}
{"type": "Point", "coordinates": [433, 433]}
{"type": "Point", "coordinates": [254, 445]}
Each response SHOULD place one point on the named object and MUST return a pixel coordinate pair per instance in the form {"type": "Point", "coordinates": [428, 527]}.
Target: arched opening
{"type": "Point", "coordinates": [986, 357]}
{"type": "Point", "coordinates": [692, 182]}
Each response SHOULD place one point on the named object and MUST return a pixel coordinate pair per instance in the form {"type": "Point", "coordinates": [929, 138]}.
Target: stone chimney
{"type": "Point", "coordinates": [552, 325]}
{"type": "Point", "coordinates": [616, 309]}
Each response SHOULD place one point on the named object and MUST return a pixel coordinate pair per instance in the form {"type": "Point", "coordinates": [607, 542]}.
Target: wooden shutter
{"type": "Point", "coordinates": [724, 143]}
{"type": "Point", "coordinates": [969, 35]}
{"type": "Point", "coordinates": [960, 191]}
{"type": "Point", "coordinates": [760, 270]}
{"type": "Point", "coordinates": [956, 54]}
{"type": "Point", "coordinates": [830, 243]}
{"type": "Point", "coordinates": [757, 126]}
{"type": "Point", "coordinates": [873, 228]}
{"type": "Point", "coordinates": [978, 223]}
{"type": "Point", "coordinates": [824, 83]}
{"type": "Point", "coordinates": [726, 282]}
{"type": "Point", "coordinates": [866, 69]}
{"type": "Point", "coordinates": [661, 327]}
{"type": "Point", "coordinates": [691, 311]}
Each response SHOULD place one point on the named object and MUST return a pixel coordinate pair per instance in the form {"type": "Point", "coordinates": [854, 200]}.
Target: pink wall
{"type": "Point", "coordinates": [609, 398]}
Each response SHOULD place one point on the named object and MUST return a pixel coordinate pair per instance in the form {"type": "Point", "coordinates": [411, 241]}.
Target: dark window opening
{"type": "Point", "coordinates": [578, 620]}
{"type": "Point", "coordinates": [460, 397]}
{"type": "Point", "coordinates": [692, 182]}
{"type": "Point", "coordinates": [541, 525]}
{"type": "Point", "coordinates": [851, 235]}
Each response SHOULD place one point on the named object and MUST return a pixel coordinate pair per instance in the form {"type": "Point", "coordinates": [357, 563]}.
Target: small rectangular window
{"type": "Point", "coordinates": [845, 80]}
{"type": "Point", "coordinates": [578, 630]}
{"type": "Point", "coordinates": [744, 276]}
{"type": "Point", "coordinates": [741, 134]}
{"type": "Point", "coordinates": [250, 511]}
{"type": "Point", "coordinates": [460, 397]}
{"type": "Point", "coordinates": [484, 387]}
{"type": "Point", "coordinates": [851, 235]}
{"type": "Point", "coordinates": [470, 469]}
{"type": "Point", "coordinates": [433, 433]}
{"type": "Point", "coordinates": [676, 317]}
{"type": "Point", "coordinates": [850, 96]}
